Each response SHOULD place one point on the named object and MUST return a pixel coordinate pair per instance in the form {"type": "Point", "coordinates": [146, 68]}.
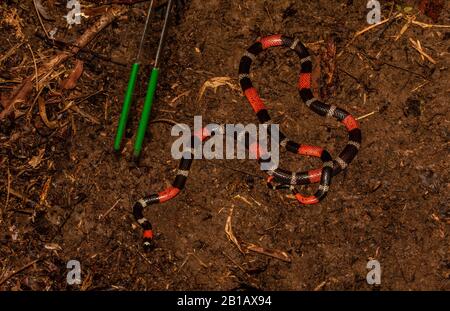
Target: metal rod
{"type": "Point", "coordinates": [148, 102]}
{"type": "Point", "coordinates": [163, 34]}
{"type": "Point", "coordinates": [123, 121]}
{"type": "Point", "coordinates": [141, 44]}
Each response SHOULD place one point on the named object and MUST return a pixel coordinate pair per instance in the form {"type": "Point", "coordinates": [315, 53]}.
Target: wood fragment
{"type": "Point", "coordinates": [44, 193]}
{"type": "Point", "coordinates": [320, 286]}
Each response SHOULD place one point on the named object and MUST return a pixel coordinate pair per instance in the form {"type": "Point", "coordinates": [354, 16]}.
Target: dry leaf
{"type": "Point", "coordinates": [43, 114]}
{"type": "Point", "coordinates": [73, 77]}
{"type": "Point", "coordinates": [214, 83]}
{"type": "Point", "coordinates": [36, 160]}
{"type": "Point", "coordinates": [13, 19]}
{"type": "Point", "coordinates": [44, 193]}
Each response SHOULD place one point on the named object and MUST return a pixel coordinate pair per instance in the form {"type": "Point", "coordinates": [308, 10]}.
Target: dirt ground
{"type": "Point", "coordinates": [65, 196]}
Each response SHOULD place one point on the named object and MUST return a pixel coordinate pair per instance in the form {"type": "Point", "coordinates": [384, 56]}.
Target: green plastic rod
{"type": "Point", "coordinates": [143, 123]}
{"type": "Point", "coordinates": [126, 107]}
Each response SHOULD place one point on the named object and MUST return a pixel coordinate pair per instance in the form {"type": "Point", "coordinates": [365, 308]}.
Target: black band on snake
{"type": "Point", "coordinates": [283, 178]}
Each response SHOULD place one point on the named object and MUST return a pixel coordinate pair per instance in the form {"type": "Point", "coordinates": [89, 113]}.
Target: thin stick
{"type": "Point", "coordinates": [275, 253]}
{"type": "Point", "coordinates": [84, 114]}
{"type": "Point", "coordinates": [243, 199]}
{"type": "Point", "coordinates": [371, 27]}
{"type": "Point", "coordinates": [40, 19]}
{"type": "Point", "coordinates": [229, 231]}
{"type": "Point", "coordinates": [394, 66]}
{"type": "Point", "coordinates": [199, 260]}
{"type": "Point", "coordinates": [82, 99]}
{"type": "Point", "coordinates": [420, 47]}
{"type": "Point", "coordinates": [357, 34]}
{"type": "Point", "coordinates": [419, 86]}
{"type": "Point", "coordinates": [24, 198]}
{"type": "Point", "coordinates": [61, 45]}
{"type": "Point", "coordinates": [19, 270]}
{"type": "Point", "coordinates": [425, 25]}
{"type": "Point", "coordinates": [35, 67]}
{"type": "Point", "coordinates": [235, 263]}
{"type": "Point", "coordinates": [10, 52]}
{"type": "Point", "coordinates": [179, 96]}
{"type": "Point", "coordinates": [417, 47]}
{"type": "Point", "coordinates": [109, 210]}
{"type": "Point", "coordinates": [366, 115]}
{"type": "Point", "coordinates": [8, 189]}
{"type": "Point", "coordinates": [403, 30]}
{"type": "Point", "coordinates": [21, 196]}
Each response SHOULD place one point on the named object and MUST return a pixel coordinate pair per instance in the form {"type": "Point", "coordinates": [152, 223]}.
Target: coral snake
{"type": "Point", "coordinates": [278, 178]}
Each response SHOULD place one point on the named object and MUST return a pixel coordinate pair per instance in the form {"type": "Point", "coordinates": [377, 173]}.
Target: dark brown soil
{"type": "Point", "coordinates": [392, 204]}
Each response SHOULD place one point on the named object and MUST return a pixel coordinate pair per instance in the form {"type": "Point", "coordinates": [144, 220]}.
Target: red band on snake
{"type": "Point", "coordinates": [283, 178]}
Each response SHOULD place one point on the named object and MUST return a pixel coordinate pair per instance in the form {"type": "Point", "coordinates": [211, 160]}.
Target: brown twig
{"type": "Point", "coordinates": [109, 210]}
{"type": "Point", "coordinates": [275, 253]}
{"type": "Point", "coordinates": [8, 189]}
{"type": "Point", "coordinates": [85, 115]}
{"type": "Point", "coordinates": [40, 19]}
{"type": "Point", "coordinates": [61, 45]}
{"type": "Point", "coordinates": [35, 66]}
{"type": "Point", "coordinates": [10, 52]}
{"type": "Point", "coordinates": [13, 273]}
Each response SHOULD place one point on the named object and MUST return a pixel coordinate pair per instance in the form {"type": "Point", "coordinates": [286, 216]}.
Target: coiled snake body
{"type": "Point", "coordinates": [282, 178]}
